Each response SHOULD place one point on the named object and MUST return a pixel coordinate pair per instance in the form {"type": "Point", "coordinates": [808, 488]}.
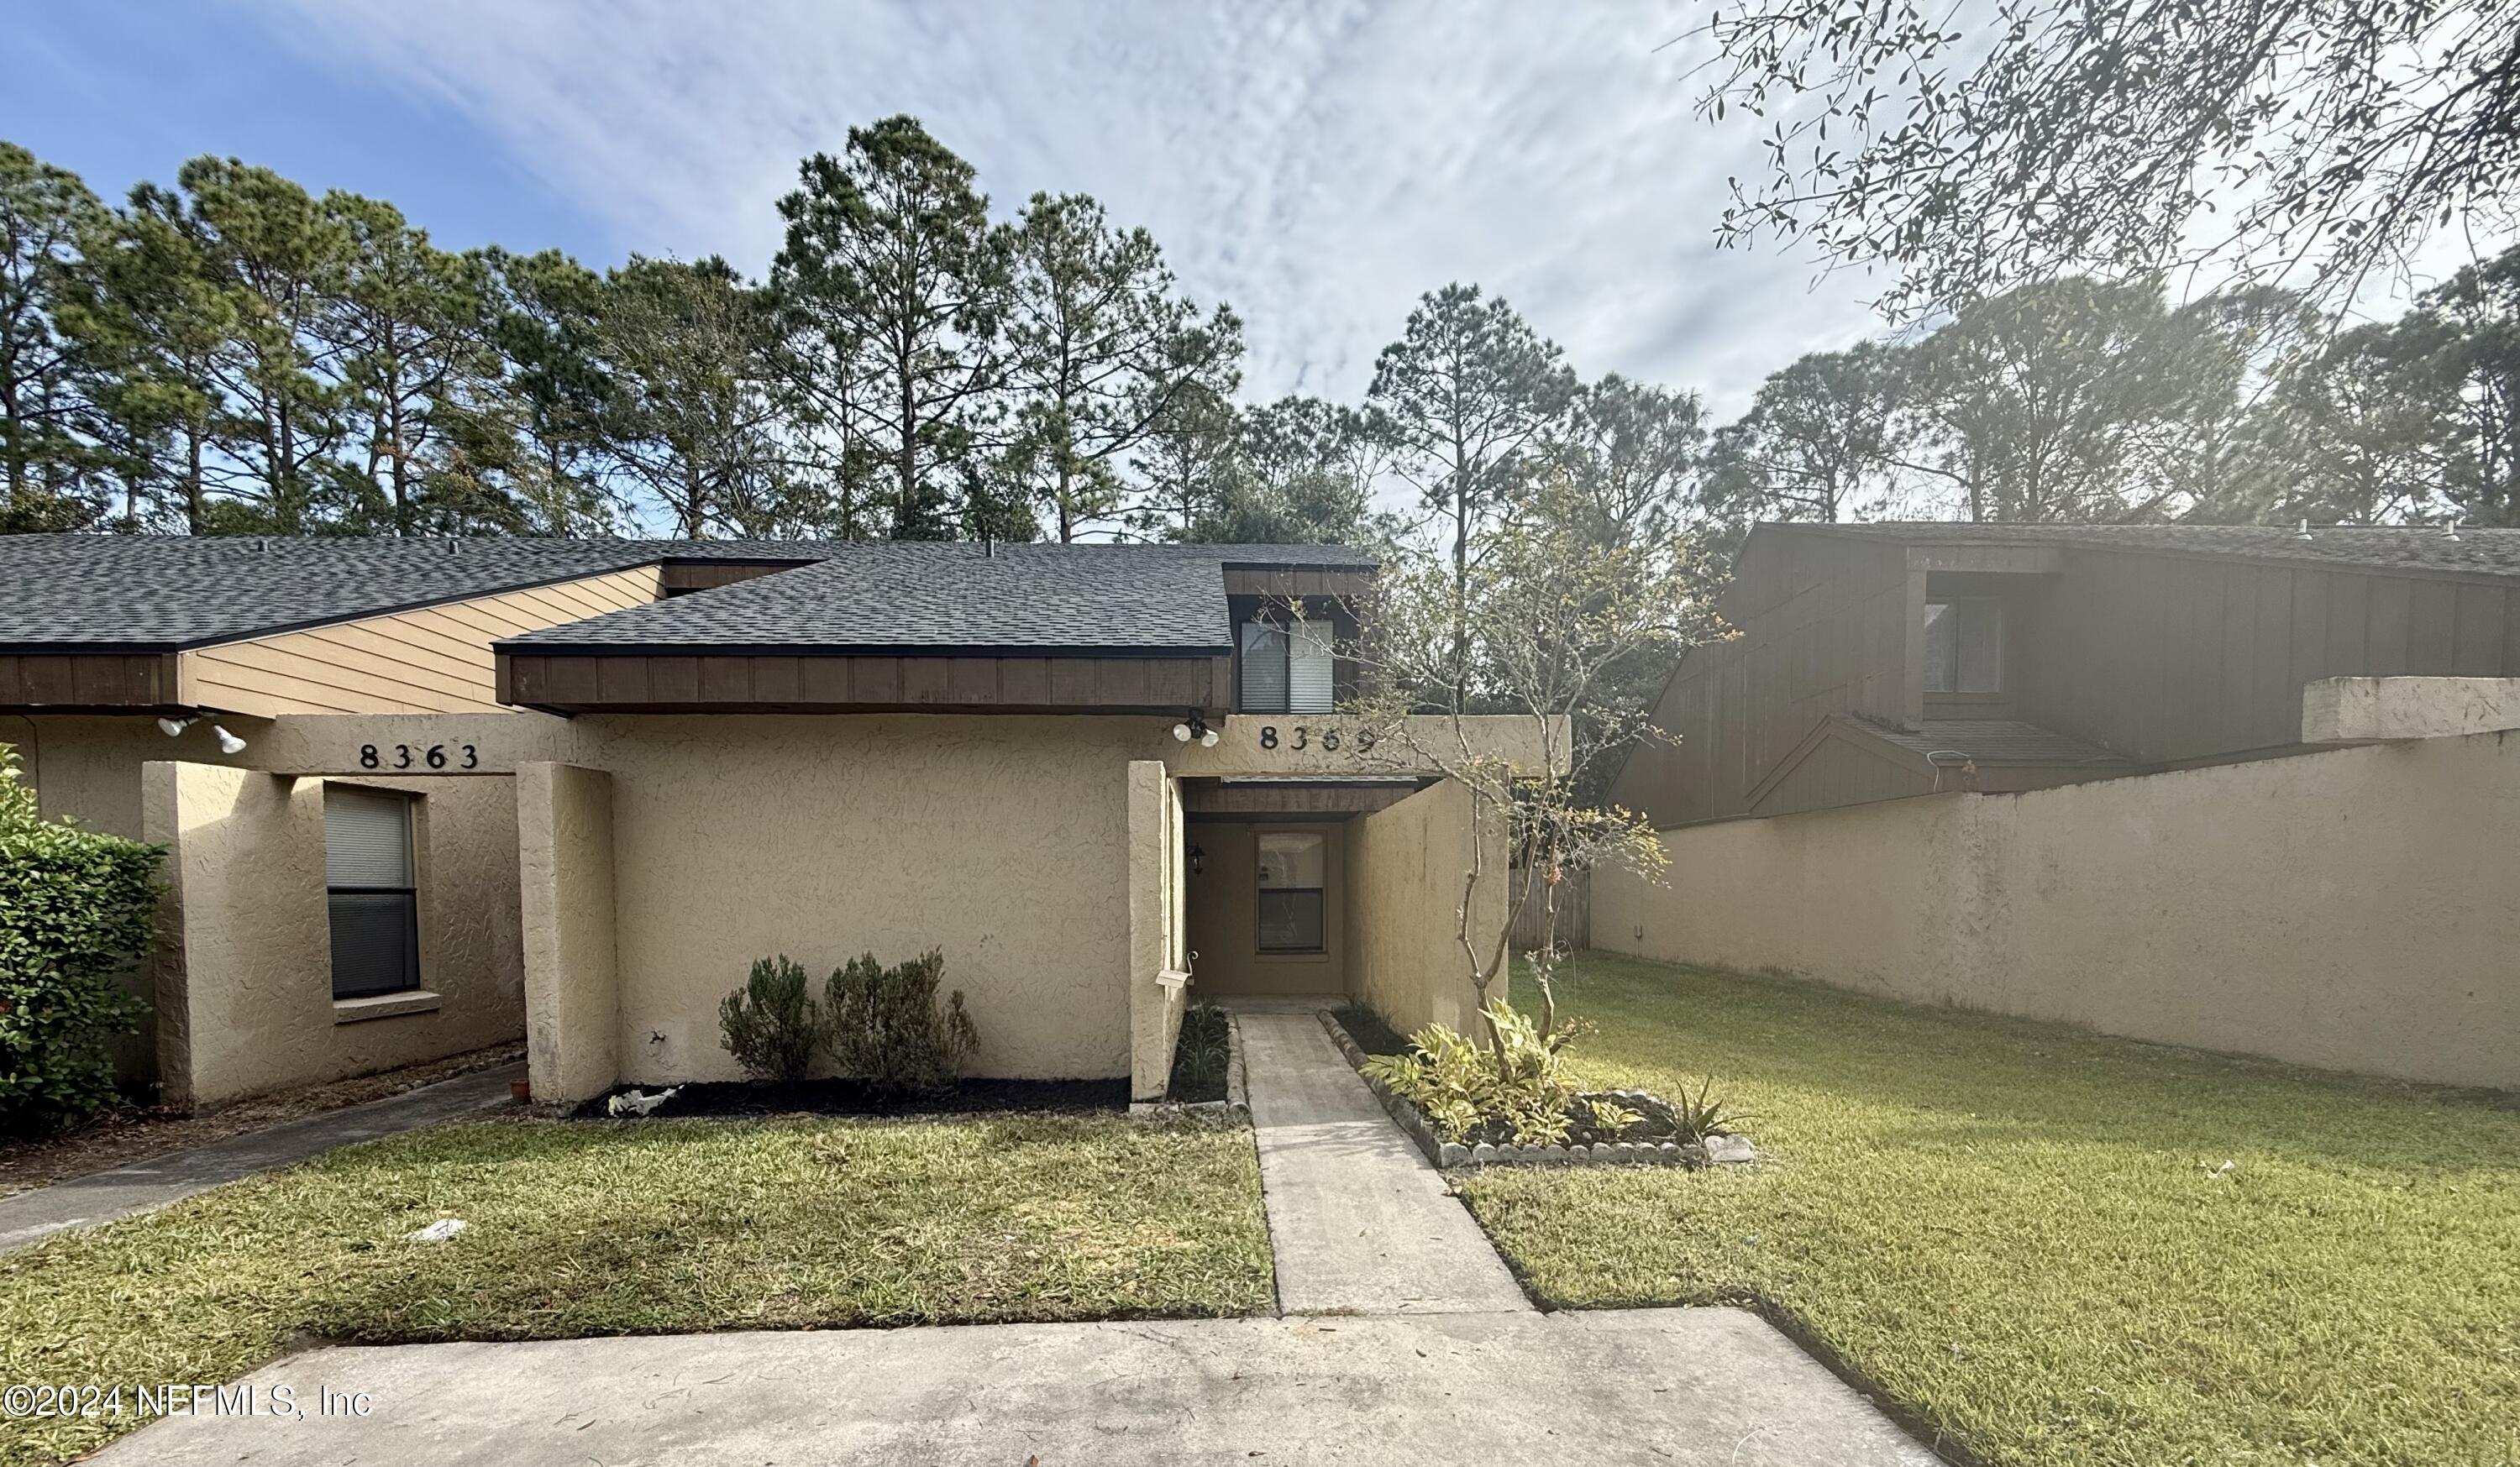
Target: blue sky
{"type": "Point", "coordinates": [1319, 165]}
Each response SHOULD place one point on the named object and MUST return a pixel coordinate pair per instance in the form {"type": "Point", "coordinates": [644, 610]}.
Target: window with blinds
{"type": "Point", "coordinates": [1287, 667]}
{"type": "Point", "coordinates": [372, 888]}
{"type": "Point", "coordinates": [1293, 868]}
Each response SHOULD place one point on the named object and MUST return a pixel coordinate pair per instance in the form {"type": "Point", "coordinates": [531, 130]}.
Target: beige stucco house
{"type": "Point", "coordinates": [421, 796]}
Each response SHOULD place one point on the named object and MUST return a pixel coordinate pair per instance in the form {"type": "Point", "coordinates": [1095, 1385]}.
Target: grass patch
{"type": "Point", "coordinates": [2020, 1232]}
{"type": "Point", "coordinates": [596, 1229]}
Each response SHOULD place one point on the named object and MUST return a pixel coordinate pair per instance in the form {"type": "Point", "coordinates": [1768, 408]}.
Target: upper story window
{"type": "Point", "coordinates": [372, 888]}
{"type": "Point", "coordinates": [1287, 666]}
{"type": "Point", "coordinates": [1965, 644]}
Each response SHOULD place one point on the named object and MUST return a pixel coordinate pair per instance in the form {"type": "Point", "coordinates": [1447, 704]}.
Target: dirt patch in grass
{"type": "Point", "coordinates": [633, 1229]}
{"type": "Point", "coordinates": [2027, 1235]}
{"type": "Point", "coordinates": [850, 1097]}
{"type": "Point", "coordinates": [124, 1136]}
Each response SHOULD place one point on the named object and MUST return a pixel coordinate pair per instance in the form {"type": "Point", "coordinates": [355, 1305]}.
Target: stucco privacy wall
{"type": "Point", "coordinates": [565, 872]}
{"type": "Point", "coordinates": [1003, 840]}
{"type": "Point", "coordinates": [2351, 909]}
{"type": "Point", "coordinates": [1404, 864]}
{"type": "Point", "coordinates": [243, 978]}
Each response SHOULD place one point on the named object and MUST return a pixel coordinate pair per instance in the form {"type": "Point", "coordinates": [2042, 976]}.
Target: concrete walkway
{"type": "Point", "coordinates": [1673, 1388]}
{"type": "Point", "coordinates": [145, 1186]}
{"type": "Point", "coordinates": [1359, 1222]}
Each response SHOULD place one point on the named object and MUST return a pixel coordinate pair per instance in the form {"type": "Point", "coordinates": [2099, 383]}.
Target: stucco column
{"type": "Point", "coordinates": [1155, 927]}
{"type": "Point", "coordinates": [565, 866]}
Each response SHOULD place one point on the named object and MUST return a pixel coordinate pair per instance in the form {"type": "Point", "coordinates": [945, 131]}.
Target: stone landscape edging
{"type": "Point", "coordinates": [1443, 1153]}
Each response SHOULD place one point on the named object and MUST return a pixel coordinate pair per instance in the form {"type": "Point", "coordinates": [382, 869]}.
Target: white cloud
{"type": "Point", "coordinates": [1318, 165]}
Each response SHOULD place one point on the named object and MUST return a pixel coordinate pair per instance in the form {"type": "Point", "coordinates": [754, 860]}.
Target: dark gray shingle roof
{"type": "Point", "coordinates": [161, 593]}
{"type": "Point", "coordinates": [2474, 552]}
{"type": "Point", "coordinates": [1993, 741]}
{"type": "Point", "coordinates": [888, 596]}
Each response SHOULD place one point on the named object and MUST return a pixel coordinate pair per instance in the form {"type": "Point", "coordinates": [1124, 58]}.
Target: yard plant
{"type": "Point", "coordinates": [76, 907]}
{"type": "Point", "coordinates": [2054, 1248]}
{"type": "Point", "coordinates": [893, 1028]}
{"type": "Point", "coordinates": [771, 1024]}
{"type": "Point", "coordinates": [889, 1026]}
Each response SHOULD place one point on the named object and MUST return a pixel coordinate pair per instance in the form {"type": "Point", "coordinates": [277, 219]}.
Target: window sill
{"type": "Point", "coordinates": [385, 1006]}
{"type": "Point", "coordinates": [1322, 956]}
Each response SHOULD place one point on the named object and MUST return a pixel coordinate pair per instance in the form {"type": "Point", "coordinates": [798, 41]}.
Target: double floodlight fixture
{"type": "Point", "coordinates": [173, 727]}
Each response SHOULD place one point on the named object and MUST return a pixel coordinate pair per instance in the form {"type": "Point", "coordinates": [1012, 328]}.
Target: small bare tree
{"type": "Point", "coordinates": [1570, 631]}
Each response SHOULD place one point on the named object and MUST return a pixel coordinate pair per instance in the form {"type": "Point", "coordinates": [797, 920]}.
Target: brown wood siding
{"type": "Point", "coordinates": [1840, 772]}
{"type": "Point", "coordinates": [436, 659]}
{"type": "Point", "coordinates": [681, 577]}
{"type": "Point", "coordinates": [638, 681]}
{"type": "Point", "coordinates": [1282, 582]}
{"type": "Point", "coordinates": [2162, 657]}
{"type": "Point", "coordinates": [72, 681]}
{"type": "Point", "coordinates": [2167, 658]}
{"type": "Point", "coordinates": [1823, 629]}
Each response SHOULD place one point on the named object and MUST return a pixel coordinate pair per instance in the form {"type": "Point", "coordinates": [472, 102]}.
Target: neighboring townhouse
{"type": "Point", "coordinates": [1874, 661]}
{"type": "Point", "coordinates": [421, 795]}
{"type": "Point", "coordinates": [2249, 788]}
{"type": "Point", "coordinates": [117, 652]}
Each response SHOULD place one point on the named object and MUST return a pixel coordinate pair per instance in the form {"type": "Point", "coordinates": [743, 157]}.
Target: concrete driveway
{"type": "Point", "coordinates": [1699, 1388]}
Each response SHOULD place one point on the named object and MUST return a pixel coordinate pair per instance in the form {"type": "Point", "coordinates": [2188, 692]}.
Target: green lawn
{"type": "Point", "coordinates": [591, 1229]}
{"type": "Point", "coordinates": [2020, 1232]}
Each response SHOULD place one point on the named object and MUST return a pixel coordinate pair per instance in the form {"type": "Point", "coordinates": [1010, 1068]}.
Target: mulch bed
{"type": "Point", "coordinates": [1201, 1056]}
{"type": "Point", "coordinates": [852, 1097]}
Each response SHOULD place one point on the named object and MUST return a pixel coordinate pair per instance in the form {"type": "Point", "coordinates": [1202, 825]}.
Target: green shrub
{"type": "Point", "coordinates": [1464, 1085]}
{"type": "Point", "coordinates": [888, 1029]}
{"type": "Point", "coordinates": [76, 906]}
{"type": "Point", "coordinates": [771, 1024]}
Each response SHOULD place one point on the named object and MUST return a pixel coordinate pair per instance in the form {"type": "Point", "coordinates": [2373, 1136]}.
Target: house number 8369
{"type": "Point", "coordinates": [1330, 739]}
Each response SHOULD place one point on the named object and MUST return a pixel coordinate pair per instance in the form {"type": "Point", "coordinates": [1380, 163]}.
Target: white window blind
{"type": "Point", "coordinates": [1293, 868]}
{"type": "Point", "coordinates": [369, 891]}
{"type": "Point", "coordinates": [1308, 667]}
{"type": "Point", "coordinates": [1264, 667]}
{"type": "Point", "coordinates": [367, 838]}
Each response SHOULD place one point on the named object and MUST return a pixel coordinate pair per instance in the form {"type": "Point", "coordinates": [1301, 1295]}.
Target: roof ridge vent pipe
{"type": "Point", "coordinates": [2451, 531]}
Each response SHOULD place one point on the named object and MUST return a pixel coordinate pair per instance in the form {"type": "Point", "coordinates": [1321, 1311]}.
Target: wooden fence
{"type": "Point", "coordinates": [1574, 913]}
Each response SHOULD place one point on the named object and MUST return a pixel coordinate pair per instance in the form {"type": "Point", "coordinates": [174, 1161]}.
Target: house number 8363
{"type": "Point", "coordinates": [404, 756]}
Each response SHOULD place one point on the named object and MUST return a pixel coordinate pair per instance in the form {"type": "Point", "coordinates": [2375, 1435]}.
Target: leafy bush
{"type": "Point", "coordinates": [1464, 1087]}
{"type": "Point", "coordinates": [76, 906]}
{"type": "Point", "coordinates": [888, 1027]}
{"type": "Point", "coordinates": [771, 1024]}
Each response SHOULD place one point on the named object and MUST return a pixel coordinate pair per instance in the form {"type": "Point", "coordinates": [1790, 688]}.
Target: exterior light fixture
{"type": "Point", "coordinates": [229, 744]}
{"type": "Point", "coordinates": [1182, 732]}
{"type": "Point", "coordinates": [173, 728]}
{"type": "Point", "coordinates": [1196, 726]}
{"type": "Point", "coordinates": [1197, 862]}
